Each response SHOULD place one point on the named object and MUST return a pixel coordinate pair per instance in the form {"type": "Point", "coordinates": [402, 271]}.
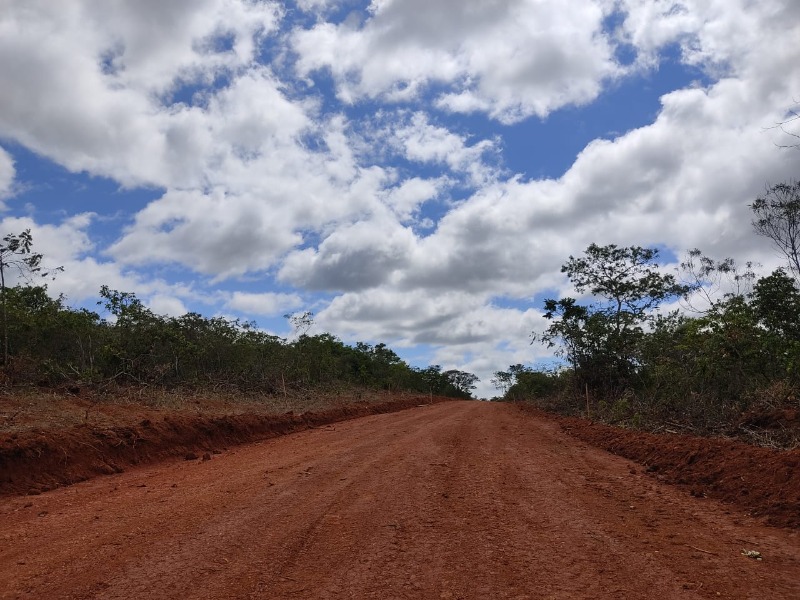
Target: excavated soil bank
{"type": "Point", "coordinates": [763, 482]}
{"type": "Point", "coordinates": [33, 459]}
{"type": "Point", "coordinates": [460, 500]}
{"type": "Point", "coordinates": [37, 460]}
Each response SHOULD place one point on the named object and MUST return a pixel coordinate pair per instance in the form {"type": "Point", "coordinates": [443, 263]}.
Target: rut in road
{"type": "Point", "coordinates": [454, 500]}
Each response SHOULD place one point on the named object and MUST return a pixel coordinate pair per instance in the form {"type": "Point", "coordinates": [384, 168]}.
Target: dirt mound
{"type": "Point", "coordinates": [762, 481]}
{"type": "Point", "coordinates": [37, 460]}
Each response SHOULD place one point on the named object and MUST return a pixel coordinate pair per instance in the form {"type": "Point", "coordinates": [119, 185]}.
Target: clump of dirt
{"type": "Point", "coordinates": [36, 460]}
{"type": "Point", "coordinates": [763, 481]}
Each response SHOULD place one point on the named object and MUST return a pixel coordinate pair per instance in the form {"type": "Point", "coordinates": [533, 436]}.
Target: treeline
{"type": "Point", "coordinates": [730, 350]}
{"type": "Point", "coordinates": [50, 344]}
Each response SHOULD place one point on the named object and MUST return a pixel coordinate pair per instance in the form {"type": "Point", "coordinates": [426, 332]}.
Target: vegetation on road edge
{"type": "Point", "coordinates": [49, 344]}
{"type": "Point", "coordinates": [726, 362]}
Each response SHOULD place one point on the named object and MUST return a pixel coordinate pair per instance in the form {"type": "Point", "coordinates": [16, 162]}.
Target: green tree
{"type": "Point", "coordinates": [16, 254]}
{"type": "Point", "coordinates": [463, 381]}
{"type": "Point", "coordinates": [533, 384]}
{"type": "Point", "coordinates": [432, 379]}
{"type": "Point", "coordinates": [601, 340]}
{"type": "Point", "coordinates": [777, 304]}
{"type": "Point", "coordinates": [502, 380]}
{"type": "Point", "coordinates": [505, 380]}
{"type": "Point", "coordinates": [300, 322]}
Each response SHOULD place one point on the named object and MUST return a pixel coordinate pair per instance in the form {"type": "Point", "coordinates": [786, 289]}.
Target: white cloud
{"type": "Point", "coordinates": [92, 79]}
{"type": "Point", "coordinates": [717, 34]}
{"type": "Point", "coordinates": [170, 306]}
{"type": "Point", "coordinates": [406, 199]}
{"type": "Point", "coordinates": [467, 332]}
{"type": "Point", "coordinates": [215, 234]}
{"type": "Point", "coordinates": [7, 173]}
{"type": "Point", "coordinates": [511, 58]}
{"type": "Point", "coordinates": [423, 142]}
{"type": "Point", "coordinates": [359, 256]}
{"type": "Point", "coordinates": [67, 245]}
{"type": "Point", "coordinates": [266, 304]}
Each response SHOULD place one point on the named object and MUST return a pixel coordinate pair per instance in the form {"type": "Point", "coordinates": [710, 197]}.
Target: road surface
{"type": "Point", "coordinates": [453, 500]}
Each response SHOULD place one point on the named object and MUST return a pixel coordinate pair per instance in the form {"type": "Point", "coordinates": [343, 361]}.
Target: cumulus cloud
{"type": "Point", "coordinates": [683, 181]}
{"type": "Point", "coordinates": [405, 199]}
{"type": "Point", "coordinates": [466, 331]}
{"type": "Point", "coordinates": [169, 306]}
{"type": "Point", "coordinates": [7, 173]}
{"type": "Point", "coordinates": [67, 245]}
{"type": "Point", "coordinates": [510, 59]}
{"type": "Point", "coordinates": [93, 80]}
{"type": "Point", "coordinates": [421, 141]}
{"type": "Point", "coordinates": [265, 304]}
{"type": "Point", "coordinates": [401, 317]}
{"type": "Point", "coordinates": [215, 234]}
{"type": "Point", "coordinates": [363, 255]}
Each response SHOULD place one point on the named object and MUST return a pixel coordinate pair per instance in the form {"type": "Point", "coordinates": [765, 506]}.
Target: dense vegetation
{"type": "Point", "coordinates": [731, 349]}
{"type": "Point", "coordinates": [47, 343]}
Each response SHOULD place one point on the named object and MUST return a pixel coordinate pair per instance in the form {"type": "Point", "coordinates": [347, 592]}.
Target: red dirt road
{"type": "Point", "coordinates": [454, 500]}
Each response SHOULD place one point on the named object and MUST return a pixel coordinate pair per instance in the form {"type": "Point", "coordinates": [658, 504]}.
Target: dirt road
{"type": "Point", "coordinates": [455, 500]}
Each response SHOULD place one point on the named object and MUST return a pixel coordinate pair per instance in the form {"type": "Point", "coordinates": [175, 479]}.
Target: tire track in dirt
{"type": "Point", "coordinates": [455, 500]}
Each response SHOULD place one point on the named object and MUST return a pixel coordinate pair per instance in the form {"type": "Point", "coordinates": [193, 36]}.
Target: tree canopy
{"type": "Point", "coordinates": [601, 340]}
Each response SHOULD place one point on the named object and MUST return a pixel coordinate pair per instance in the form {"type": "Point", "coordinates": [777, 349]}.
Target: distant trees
{"type": "Point", "coordinates": [520, 382]}
{"type": "Point", "coordinates": [53, 344]}
{"type": "Point", "coordinates": [463, 381]}
{"type": "Point", "coordinates": [504, 380]}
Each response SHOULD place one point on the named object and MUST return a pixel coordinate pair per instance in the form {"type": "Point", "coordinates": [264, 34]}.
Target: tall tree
{"type": "Point", "coordinates": [16, 254]}
{"type": "Point", "coordinates": [777, 217]}
{"type": "Point", "coordinates": [601, 340]}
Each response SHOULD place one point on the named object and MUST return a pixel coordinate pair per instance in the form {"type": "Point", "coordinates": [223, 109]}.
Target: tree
{"type": "Point", "coordinates": [300, 322]}
{"type": "Point", "coordinates": [16, 254]}
{"type": "Point", "coordinates": [433, 379]}
{"type": "Point", "coordinates": [601, 340]}
{"type": "Point", "coordinates": [461, 380]}
{"type": "Point", "coordinates": [627, 278]}
{"type": "Point", "coordinates": [533, 384]}
{"type": "Point", "coordinates": [714, 280]}
{"type": "Point", "coordinates": [777, 304]}
{"type": "Point", "coordinates": [777, 217]}
{"type": "Point", "coordinates": [502, 380]}
{"type": "Point", "coordinates": [505, 380]}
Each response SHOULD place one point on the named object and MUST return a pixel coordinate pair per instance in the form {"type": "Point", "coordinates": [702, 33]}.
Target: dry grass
{"type": "Point", "coordinates": [33, 408]}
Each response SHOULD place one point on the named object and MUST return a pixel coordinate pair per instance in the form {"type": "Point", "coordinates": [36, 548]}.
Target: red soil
{"type": "Point", "coordinates": [455, 500]}
{"type": "Point", "coordinates": [763, 482]}
{"type": "Point", "coordinates": [40, 459]}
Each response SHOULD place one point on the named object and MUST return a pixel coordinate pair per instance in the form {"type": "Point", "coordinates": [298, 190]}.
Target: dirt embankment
{"type": "Point", "coordinates": [35, 457]}
{"type": "Point", "coordinates": [763, 482]}
{"type": "Point", "coordinates": [459, 500]}
{"type": "Point", "coordinates": [40, 458]}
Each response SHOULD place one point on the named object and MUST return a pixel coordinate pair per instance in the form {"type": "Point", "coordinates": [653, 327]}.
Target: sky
{"type": "Point", "coordinates": [415, 172]}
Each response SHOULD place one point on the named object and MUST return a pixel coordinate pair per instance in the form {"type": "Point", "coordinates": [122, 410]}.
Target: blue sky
{"type": "Point", "coordinates": [415, 172]}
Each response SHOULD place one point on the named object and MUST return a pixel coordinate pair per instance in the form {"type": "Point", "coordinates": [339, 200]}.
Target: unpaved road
{"type": "Point", "coordinates": [455, 500]}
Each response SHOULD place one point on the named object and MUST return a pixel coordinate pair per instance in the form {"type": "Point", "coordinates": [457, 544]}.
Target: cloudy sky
{"type": "Point", "coordinates": [413, 171]}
